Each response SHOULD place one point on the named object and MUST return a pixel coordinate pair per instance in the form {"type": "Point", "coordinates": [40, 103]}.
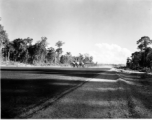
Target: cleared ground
{"type": "Point", "coordinates": [74, 93]}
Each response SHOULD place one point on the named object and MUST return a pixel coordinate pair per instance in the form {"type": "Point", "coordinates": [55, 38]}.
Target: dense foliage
{"type": "Point", "coordinates": [3, 39]}
{"type": "Point", "coordinates": [143, 58]}
{"type": "Point", "coordinates": [22, 50]}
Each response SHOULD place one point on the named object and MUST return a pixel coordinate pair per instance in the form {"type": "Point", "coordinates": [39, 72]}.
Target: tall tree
{"type": "Point", "coordinates": [8, 51]}
{"type": "Point", "coordinates": [59, 50]}
{"type": "Point", "coordinates": [136, 59]}
{"type": "Point", "coordinates": [20, 52]}
{"type": "Point", "coordinates": [91, 59]}
{"type": "Point", "coordinates": [148, 54]}
{"type": "Point", "coordinates": [50, 55]}
{"type": "Point", "coordinates": [40, 50]}
{"type": "Point", "coordinates": [59, 44]}
{"type": "Point", "coordinates": [86, 58]}
{"type": "Point", "coordinates": [3, 40]}
{"type": "Point", "coordinates": [27, 44]}
{"type": "Point", "coordinates": [67, 58]}
{"type": "Point", "coordinates": [143, 42]}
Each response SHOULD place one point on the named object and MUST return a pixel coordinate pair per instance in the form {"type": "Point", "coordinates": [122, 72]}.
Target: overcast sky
{"type": "Point", "coordinates": [106, 29]}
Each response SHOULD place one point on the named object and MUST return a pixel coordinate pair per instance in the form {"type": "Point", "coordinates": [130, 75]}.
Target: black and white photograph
{"type": "Point", "coordinates": [76, 59]}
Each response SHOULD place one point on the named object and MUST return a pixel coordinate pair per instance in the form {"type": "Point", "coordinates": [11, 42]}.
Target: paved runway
{"type": "Point", "coordinates": [74, 93]}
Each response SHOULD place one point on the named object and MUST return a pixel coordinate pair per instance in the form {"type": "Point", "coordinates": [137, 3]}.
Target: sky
{"type": "Point", "coordinates": [105, 29]}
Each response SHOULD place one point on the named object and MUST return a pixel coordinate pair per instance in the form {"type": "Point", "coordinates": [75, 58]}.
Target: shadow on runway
{"type": "Point", "coordinates": [72, 72]}
{"type": "Point", "coordinates": [19, 96]}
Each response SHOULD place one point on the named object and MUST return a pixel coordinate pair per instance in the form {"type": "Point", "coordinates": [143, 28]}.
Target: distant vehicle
{"type": "Point", "coordinates": [82, 64]}
{"type": "Point", "coordinates": [77, 64]}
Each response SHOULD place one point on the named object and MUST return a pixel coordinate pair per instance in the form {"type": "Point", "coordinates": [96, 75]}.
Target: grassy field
{"type": "Point", "coordinates": [140, 99]}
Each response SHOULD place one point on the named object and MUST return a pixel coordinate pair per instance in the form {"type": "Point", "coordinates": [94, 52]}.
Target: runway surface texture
{"type": "Point", "coordinates": [74, 93]}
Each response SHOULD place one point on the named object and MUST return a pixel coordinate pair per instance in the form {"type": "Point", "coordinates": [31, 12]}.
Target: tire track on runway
{"type": "Point", "coordinates": [132, 113]}
{"type": "Point", "coordinates": [51, 101]}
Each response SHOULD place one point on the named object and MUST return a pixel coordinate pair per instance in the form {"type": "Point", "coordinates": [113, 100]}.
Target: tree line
{"type": "Point", "coordinates": [141, 59]}
{"type": "Point", "coordinates": [22, 50]}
